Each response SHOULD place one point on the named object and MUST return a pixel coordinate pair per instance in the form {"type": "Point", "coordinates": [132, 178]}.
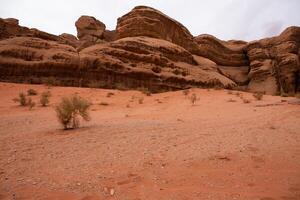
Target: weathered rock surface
{"type": "Point", "coordinates": [70, 39]}
{"type": "Point", "coordinates": [89, 29]}
{"type": "Point", "coordinates": [147, 62]}
{"type": "Point", "coordinates": [127, 63]}
{"type": "Point", "coordinates": [221, 52]}
{"type": "Point", "coordinates": [29, 59]}
{"type": "Point", "coordinates": [146, 21]}
{"type": "Point", "coordinates": [274, 62]}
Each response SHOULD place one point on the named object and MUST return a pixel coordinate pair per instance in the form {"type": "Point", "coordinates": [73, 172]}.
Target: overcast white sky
{"type": "Point", "coordinates": [225, 19]}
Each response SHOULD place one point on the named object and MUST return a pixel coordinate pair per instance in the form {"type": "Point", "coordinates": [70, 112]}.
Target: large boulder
{"type": "Point", "coordinates": [89, 29]}
{"type": "Point", "coordinates": [274, 63]}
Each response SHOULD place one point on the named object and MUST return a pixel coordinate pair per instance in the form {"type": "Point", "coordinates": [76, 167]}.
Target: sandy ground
{"type": "Point", "coordinates": [163, 149]}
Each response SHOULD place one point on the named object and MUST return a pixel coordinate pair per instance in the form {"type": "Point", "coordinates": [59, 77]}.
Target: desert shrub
{"type": "Point", "coordinates": [30, 103]}
{"type": "Point", "coordinates": [44, 99]}
{"type": "Point", "coordinates": [21, 99]}
{"type": "Point", "coordinates": [258, 95]}
{"type": "Point", "coordinates": [246, 101]}
{"type": "Point", "coordinates": [237, 94]}
{"type": "Point", "coordinates": [185, 92]}
{"type": "Point", "coordinates": [147, 93]}
{"type": "Point", "coordinates": [109, 94]}
{"type": "Point", "coordinates": [297, 95]}
{"type": "Point", "coordinates": [141, 100]}
{"type": "Point", "coordinates": [193, 98]}
{"type": "Point", "coordinates": [283, 94]}
{"type": "Point", "coordinates": [218, 87]}
{"type": "Point", "coordinates": [31, 92]}
{"type": "Point", "coordinates": [69, 110]}
{"type": "Point", "coordinates": [229, 92]}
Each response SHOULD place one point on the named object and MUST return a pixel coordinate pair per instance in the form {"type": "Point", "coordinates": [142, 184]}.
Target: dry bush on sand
{"type": "Point", "coordinates": [193, 98]}
{"type": "Point", "coordinates": [30, 103]}
{"type": "Point", "coordinates": [110, 94]}
{"type": "Point", "coordinates": [21, 99]}
{"type": "Point", "coordinates": [69, 110]}
{"type": "Point", "coordinates": [185, 92]}
{"type": "Point", "coordinates": [141, 100]}
{"type": "Point", "coordinates": [258, 95]}
{"type": "Point", "coordinates": [31, 92]}
{"type": "Point", "coordinates": [44, 99]}
{"type": "Point", "coordinates": [246, 101]}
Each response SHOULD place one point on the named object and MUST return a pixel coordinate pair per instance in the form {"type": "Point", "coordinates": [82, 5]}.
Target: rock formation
{"type": "Point", "coordinates": [274, 63]}
{"type": "Point", "coordinates": [89, 29]}
{"type": "Point", "coordinates": [145, 21]}
{"type": "Point", "coordinates": [151, 50]}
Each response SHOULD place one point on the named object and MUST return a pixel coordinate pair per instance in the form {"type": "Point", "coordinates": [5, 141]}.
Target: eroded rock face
{"type": "Point", "coordinates": [127, 63]}
{"type": "Point", "coordinates": [146, 21]}
{"type": "Point", "coordinates": [221, 52]}
{"type": "Point", "coordinates": [274, 62]}
{"type": "Point", "coordinates": [151, 50]}
{"type": "Point", "coordinates": [29, 59]}
{"type": "Point", "coordinates": [70, 39]}
{"type": "Point", "coordinates": [147, 62]}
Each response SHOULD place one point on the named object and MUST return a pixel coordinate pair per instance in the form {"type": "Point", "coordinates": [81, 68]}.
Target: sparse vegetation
{"type": "Point", "coordinates": [44, 99]}
{"type": "Point", "coordinates": [283, 94]}
{"type": "Point", "coordinates": [229, 92]}
{"type": "Point", "coordinates": [69, 110]}
{"type": "Point", "coordinates": [258, 95]}
{"type": "Point", "coordinates": [141, 100]}
{"type": "Point", "coordinates": [185, 92]}
{"type": "Point", "coordinates": [193, 98]}
{"type": "Point", "coordinates": [21, 100]}
{"type": "Point", "coordinates": [109, 94]}
{"type": "Point", "coordinates": [31, 92]}
{"type": "Point", "coordinates": [30, 103]}
{"type": "Point", "coordinates": [237, 94]}
{"type": "Point", "coordinates": [246, 101]}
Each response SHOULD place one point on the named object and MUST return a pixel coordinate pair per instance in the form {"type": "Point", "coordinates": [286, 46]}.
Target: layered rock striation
{"type": "Point", "coordinates": [151, 50]}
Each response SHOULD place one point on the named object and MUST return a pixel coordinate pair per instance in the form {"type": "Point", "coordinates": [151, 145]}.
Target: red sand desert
{"type": "Point", "coordinates": [164, 148]}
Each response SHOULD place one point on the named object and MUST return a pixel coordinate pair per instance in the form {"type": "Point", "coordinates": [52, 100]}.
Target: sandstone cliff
{"type": "Point", "coordinates": [151, 50]}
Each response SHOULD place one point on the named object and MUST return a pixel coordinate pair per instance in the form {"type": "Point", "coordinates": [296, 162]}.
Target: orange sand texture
{"type": "Point", "coordinates": [163, 149]}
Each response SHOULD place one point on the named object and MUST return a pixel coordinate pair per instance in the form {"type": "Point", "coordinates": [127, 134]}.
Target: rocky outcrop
{"type": "Point", "coordinates": [127, 63]}
{"type": "Point", "coordinates": [70, 40]}
{"type": "Point", "coordinates": [146, 21]}
{"type": "Point", "coordinates": [221, 52]}
{"type": "Point", "coordinates": [151, 50]}
{"type": "Point", "coordinates": [89, 29]}
{"type": "Point", "coordinates": [33, 60]}
{"type": "Point", "coordinates": [147, 62]}
{"type": "Point", "coordinates": [274, 63]}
